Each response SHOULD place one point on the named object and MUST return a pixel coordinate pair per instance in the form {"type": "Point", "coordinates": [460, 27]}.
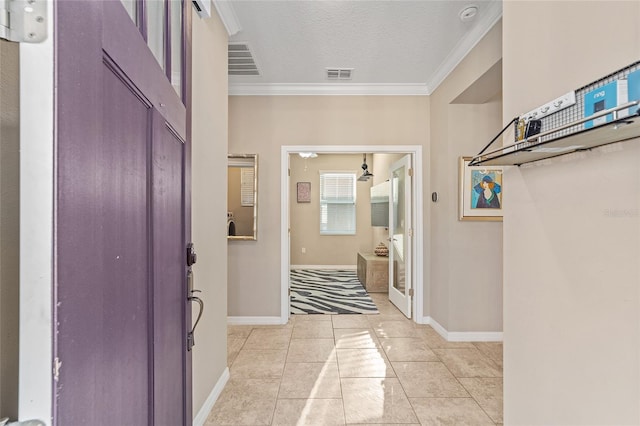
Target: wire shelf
{"type": "Point", "coordinates": [563, 132]}
{"type": "Point", "coordinates": [576, 112]}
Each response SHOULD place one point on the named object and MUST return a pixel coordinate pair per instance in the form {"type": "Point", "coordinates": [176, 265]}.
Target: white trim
{"type": "Point", "coordinates": [437, 327]}
{"type": "Point", "coordinates": [227, 16]}
{"type": "Point", "coordinates": [420, 223]}
{"type": "Point", "coordinates": [206, 408]}
{"type": "Point", "coordinates": [281, 89]}
{"type": "Point", "coordinates": [475, 336]}
{"type": "Point", "coordinates": [463, 336]}
{"type": "Point", "coordinates": [36, 228]}
{"type": "Point", "coordinates": [420, 281]}
{"type": "Point", "coordinates": [255, 321]}
{"type": "Point", "coordinates": [347, 267]}
{"type": "Point", "coordinates": [489, 17]}
{"type": "Point", "coordinates": [284, 235]}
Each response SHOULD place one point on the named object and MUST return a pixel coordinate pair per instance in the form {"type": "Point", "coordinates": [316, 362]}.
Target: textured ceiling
{"type": "Point", "coordinates": [387, 43]}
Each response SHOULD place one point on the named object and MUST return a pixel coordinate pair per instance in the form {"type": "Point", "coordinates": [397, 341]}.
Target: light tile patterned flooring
{"type": "Point", "coordinates": [358, 369]}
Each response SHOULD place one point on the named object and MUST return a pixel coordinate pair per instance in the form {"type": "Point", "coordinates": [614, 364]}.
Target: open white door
{"type": "Point", "coordinates": [400, 234]}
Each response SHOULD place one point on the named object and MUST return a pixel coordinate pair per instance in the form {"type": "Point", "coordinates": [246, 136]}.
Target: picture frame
{"type": "Point", "coordinates": [480, 192]}
{"type": "Point", "coordinates": [304, 192]}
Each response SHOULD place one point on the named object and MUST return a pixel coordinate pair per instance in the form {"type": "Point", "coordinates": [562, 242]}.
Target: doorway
{"type": "Point", "coordinates": [417, 212]}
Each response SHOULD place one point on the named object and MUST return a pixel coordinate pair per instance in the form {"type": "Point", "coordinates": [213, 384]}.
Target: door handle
{"type": "Point", "coordinates": [191, 342]}
{"type": "Point", "coordinates": [191, 298]}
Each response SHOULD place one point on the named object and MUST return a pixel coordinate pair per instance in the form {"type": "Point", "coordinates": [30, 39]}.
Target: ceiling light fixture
{"type": "Point", "coordinates": [307, 154]}
{"type": "Point", "coordinates": [468, 13]}
{"type": "Point", "coordinates": [365, 172]}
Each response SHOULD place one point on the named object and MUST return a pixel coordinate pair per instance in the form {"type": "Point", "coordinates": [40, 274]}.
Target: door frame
{"type": "Point", "coordinates": [35, 380]}
{"type": "Point", "coordinates": [421, 226]}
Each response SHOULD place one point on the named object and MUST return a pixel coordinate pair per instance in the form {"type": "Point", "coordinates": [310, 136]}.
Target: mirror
{"type": "Point", "coordinates": [242, 197]}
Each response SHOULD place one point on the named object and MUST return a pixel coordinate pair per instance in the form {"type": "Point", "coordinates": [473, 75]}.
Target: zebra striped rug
{"type": "Point", "coordinates": [329, 291]}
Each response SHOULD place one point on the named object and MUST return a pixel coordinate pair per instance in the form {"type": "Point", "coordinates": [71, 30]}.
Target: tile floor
{"type": "Point", "coordinates": [358, 369]}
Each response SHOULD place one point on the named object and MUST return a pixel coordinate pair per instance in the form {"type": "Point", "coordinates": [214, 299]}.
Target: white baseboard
{"type": "Point", "coordinates": [347, 267]}
{"type": "Point", "coordinates": [204, 411]}
{"type": "Point", "coordinates": [437, 327]}
{"type": "Point", "coordinates": [255, 321]}
{"type": "Point", "coordinates": [423, 320]}
{"type": "Point", "coordinates": [463, 336]}
{"type": "Point", "coordinates": [475, 336]}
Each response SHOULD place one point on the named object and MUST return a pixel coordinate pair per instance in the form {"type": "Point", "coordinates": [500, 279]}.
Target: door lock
{"type": "Point", "coordinates": [191, 255]}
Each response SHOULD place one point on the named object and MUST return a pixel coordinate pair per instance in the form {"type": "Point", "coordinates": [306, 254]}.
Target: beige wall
{"type": "Point", "coordinates": [254, 266]}
{"type": "Point", "coordinates": [466, 263]}
{"type": "Point", "coordinates": [571, 274]}
{"type": "Point", "coordinates": [305, 217]}
{"type": "Point", "coordinates": [209, 195]}
{"type": "Point", "coordinates": [9, 227]}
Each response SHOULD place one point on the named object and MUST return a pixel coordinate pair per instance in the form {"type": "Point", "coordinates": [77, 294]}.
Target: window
{"type": "Point", "coordinates": [161, 24]}
{"type": "Point", "coordinates": [247, 179]}
{"type": "Point", "coordinates": [337, 203]}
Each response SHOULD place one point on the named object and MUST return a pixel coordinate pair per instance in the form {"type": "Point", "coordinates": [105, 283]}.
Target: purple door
{"type": "Point", "coordinates": [120, 226]}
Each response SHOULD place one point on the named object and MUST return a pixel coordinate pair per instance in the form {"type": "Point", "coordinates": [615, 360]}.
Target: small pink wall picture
{"type": "Point", "coordinates": [304, 192]}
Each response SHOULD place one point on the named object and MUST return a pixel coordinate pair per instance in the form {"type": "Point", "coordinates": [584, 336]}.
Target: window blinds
{"type": "Point", "coordinates": [246, 186]}
{"type": "Point", "coordinates": [337, 203]}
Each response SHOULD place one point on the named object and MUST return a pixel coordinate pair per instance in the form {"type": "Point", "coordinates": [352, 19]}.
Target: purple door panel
{"type": "Point", "coordinates": [169, 271]}
{"type": "Point", "coordinates": [119, 267]}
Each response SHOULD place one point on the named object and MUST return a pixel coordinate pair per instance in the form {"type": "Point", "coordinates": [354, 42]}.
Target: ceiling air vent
{"type": "Point", "coordinates": [339, 73]}
{"type": "Point", "coordinates": [241, 60]}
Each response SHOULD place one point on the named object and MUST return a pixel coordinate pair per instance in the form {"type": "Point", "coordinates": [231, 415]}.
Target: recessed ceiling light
{"type": "Point", "coordinates": [468, 13]}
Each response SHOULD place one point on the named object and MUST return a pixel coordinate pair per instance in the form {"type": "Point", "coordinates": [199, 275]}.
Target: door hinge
{"type": "Point", "coordinates": [410, 172]}
{"type": "Point", "coordinates": [411, 232]}
{"type": "Point", "coordinates": [56, 368]}
{"type": "Point", "coordinates": [410, 292]}
{"type": "Point", "coordinates": [24, 21]}
{"type": "Point", "coordinates": [289, 172]}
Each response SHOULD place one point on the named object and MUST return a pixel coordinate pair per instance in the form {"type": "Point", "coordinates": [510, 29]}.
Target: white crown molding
{"type": "Point", "coordinates": [228, 17]}
{"type": "Point", "coordinates": [278, 89]}
{"type": "Point", "coordinates": [490, 16]}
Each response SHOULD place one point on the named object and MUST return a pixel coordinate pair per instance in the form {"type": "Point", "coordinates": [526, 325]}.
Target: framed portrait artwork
{"type": "Point", "coordinates": [480, 193]}
{"type": "Point", "coordinates": [304, 192]}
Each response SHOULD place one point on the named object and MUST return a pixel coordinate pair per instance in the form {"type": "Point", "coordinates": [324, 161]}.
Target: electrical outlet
{"type": "Point", "coordinates": [304, 250]}
{"type": "Point", "coordinates": [552, 107]}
